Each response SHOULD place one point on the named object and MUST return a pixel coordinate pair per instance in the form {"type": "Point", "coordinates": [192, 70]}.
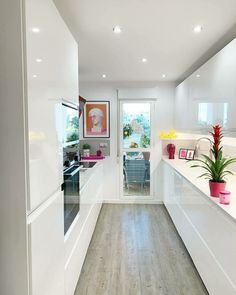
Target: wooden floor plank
{"type": "Point", "coordinates": [135, 250]}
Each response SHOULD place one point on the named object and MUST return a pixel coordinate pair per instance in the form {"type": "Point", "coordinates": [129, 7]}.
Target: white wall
{"type": "Point", "coordinates": [163, 121]}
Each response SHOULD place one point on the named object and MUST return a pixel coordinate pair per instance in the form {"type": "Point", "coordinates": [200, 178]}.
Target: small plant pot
{"type": "Point", "coordinates": [86, 152]}
{"type": "Point", "coordinates": [216, 188]}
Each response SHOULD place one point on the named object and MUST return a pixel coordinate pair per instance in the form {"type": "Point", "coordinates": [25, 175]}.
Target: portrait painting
{"type": "Point", "coordinates": [97, 119]}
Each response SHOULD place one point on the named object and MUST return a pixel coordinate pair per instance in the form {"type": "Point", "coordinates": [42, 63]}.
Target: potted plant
{"type": "Point", "coordinates": [86, 150]}
{"type": "Point", "coordinates": [216, 169]}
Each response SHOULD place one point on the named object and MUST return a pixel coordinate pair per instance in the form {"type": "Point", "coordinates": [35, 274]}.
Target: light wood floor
{"type": "Point", "coordinates": [135, 250]}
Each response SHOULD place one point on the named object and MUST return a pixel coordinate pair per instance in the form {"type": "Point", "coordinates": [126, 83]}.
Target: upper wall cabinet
{"type": "Point", "coordinates": [52, 76]}
{"type": "Point", "coordinates": [211, 92]}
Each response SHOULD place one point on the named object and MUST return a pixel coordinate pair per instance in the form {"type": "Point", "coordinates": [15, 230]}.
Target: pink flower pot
{"type": "Point", "coordinates": [216, 187]}
{"type": "Point", "coordinates": [171, 150]}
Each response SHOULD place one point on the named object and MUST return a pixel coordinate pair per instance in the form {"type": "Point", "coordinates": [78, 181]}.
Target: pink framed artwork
{"type": "Point", "coordinates": [183, 153]}
{"type": "Point", "coordinates": [96, 117]}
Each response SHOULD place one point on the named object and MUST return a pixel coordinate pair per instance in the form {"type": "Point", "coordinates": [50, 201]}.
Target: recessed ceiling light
{"type": "Point", "coordinates": [117, 30]}
{"type": "Point", "coordinates": [104, 76]}
{"type": "Point", "coordinates": [163, 75]}
{"type": "Point", "coordinates": [35, 30]}
{"type": "Point", "coordinates": [35, 76]}
{"type": "Point", "coordinates": [198, 75]}
{"type": "Point", "coordinates": [144, 59]}
{"type": "Point", "coordinates": [38, 59]}
{"type": "Point", "coordinates": [197, 29]}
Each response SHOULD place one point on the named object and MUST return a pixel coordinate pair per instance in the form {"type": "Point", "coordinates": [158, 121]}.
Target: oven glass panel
{"type": "Point", "coordinates": [71, 164]}
{"type": "Point", "coordinates": [71, 195]}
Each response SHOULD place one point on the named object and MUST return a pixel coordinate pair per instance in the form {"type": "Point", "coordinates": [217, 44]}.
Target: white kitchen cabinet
{"type": "Point", "coordinates": [212, 84]}
{"type": "Point", "coordinates": [46, 247]}
{"type": "Point", "coordinates": [52, 76]}
{"type": "Point", "coordinates": [79, 235]}
{"type": "Point", "coordinates": [39, 69]}
{"type": "Point", "coordinates": [208, 234]}
{"type": "Point", "coordinates": [181, 105]}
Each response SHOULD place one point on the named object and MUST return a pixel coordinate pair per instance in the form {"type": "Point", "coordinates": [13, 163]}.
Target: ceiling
{"type": "Point", "coordinates": [159, 30]}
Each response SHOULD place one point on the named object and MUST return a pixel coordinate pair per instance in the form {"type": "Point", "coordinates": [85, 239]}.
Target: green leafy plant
{"type": "Point", "coordinates": [127, 130]}
{"type": "Point", "coordinates": [216, 168]}
{"type": "Point", "coordinates": [86, 146]}
{"type": "Point", "coordinates": [144, 141]}
{"type": "Point", "coordinates": [73, 137]}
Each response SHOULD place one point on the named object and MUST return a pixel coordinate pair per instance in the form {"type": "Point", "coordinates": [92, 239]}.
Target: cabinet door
{"type": "Point", "coordinates": [207, 96]}
{"type": "Point", "coordinates": [52, 75]}
{"type": "Point", "coordinates": [46, 247]}
{"type": "Point", "coordinates": [181, 105]}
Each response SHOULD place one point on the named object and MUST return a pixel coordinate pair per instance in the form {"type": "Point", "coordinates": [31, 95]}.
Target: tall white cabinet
{"type": "Point", "coordinates": [52, 75]}
{"type": "Point", "coordinates": [39, 69]}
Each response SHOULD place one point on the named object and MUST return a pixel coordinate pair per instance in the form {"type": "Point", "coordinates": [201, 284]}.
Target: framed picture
{"type": "Point", "coordinates": [190, 154]}
{"type": "Point", "coordinates": [96, 118]}
{"type": "Point", "coordinates": [183, 153]}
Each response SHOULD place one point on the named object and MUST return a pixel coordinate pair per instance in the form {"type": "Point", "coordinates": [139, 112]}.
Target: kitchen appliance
{"type": "Point", "coordinates": [71, 165]}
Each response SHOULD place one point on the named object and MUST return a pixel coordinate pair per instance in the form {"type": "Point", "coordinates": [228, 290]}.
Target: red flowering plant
{"type": "Point", "coordinates": [217, 136]}
{"type": "Point", "coordinates": [215, 169]}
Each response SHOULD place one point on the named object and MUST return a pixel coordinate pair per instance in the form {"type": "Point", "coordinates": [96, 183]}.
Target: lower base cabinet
{"type": "Point", "coordinates": [79, 235]}
{"type": "Point", "coordinates": [55, 260]}
{"type": "Point", "coordinates": [208, 233]}
{"type": "Point", "coordinates": [46, 248]}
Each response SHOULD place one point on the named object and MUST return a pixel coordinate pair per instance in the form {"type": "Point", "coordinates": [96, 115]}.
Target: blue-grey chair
{"type": "Point", "coordinates": [135, 172]}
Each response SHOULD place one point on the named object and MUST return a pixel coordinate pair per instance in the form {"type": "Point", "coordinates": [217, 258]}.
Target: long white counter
{"type": "Point", "coordinates": [207, 228]}
{"type": "Point", "coordinates": [191, 174]}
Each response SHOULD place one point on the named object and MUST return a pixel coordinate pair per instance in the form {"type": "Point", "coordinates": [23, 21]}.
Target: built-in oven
{"type": "Point", "coordinates": [71, 194]}
{"type": "Point", "coordinates": [71, 165]}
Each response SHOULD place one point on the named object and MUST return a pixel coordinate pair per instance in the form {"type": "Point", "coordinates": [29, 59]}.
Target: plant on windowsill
{"type": "Point", "coordinates": [86, 150]}
{"type": "Point", "coordinates": [216, 169]}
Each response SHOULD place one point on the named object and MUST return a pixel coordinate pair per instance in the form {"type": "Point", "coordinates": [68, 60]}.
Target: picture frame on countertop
{"type": "Point", "coordinates": [183, 153]}
{"type": "Point", "coordinates": [96, 119]}
{"type": "Point", "coordinates": [190, 154]}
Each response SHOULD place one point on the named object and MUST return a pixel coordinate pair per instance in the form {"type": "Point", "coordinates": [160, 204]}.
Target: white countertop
{"type": "Point", "coordinates": [191, 174]}
{"type": "Point", "coordinates": [88, 172]}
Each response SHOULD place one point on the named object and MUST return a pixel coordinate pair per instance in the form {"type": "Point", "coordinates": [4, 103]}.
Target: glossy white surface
{"type": "Point", "coordinates": [206, 227]}
{"type": "Point", "coordinates": [216, 84]}
{"type": "Point", "coordinates": [57, 79]}
{"type": "Point", "coordinates": [13, 179]}
{"type": "Point", "coordinates": [80, 233]}
{"type": "Point", "coordinates": [46, 246]}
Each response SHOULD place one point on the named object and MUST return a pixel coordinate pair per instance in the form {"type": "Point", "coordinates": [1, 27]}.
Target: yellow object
{"type": "Point", "coordinates": [133, 144]}
{"type": "Point", "coordinates": [170, 135]}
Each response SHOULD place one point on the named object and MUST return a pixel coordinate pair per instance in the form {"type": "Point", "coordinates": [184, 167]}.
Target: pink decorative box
{"type": "Point", "coordinates": [224, 197]}
{"type": "Point", "coordinates": [93, 157]}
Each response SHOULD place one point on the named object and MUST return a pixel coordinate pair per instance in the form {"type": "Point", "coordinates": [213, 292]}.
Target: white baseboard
{"type": "Point", "coordinates": [122, 201]}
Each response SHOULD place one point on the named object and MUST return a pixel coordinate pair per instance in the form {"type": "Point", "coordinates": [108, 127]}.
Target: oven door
{"type": "Point", "coordinates": [71, 195]}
